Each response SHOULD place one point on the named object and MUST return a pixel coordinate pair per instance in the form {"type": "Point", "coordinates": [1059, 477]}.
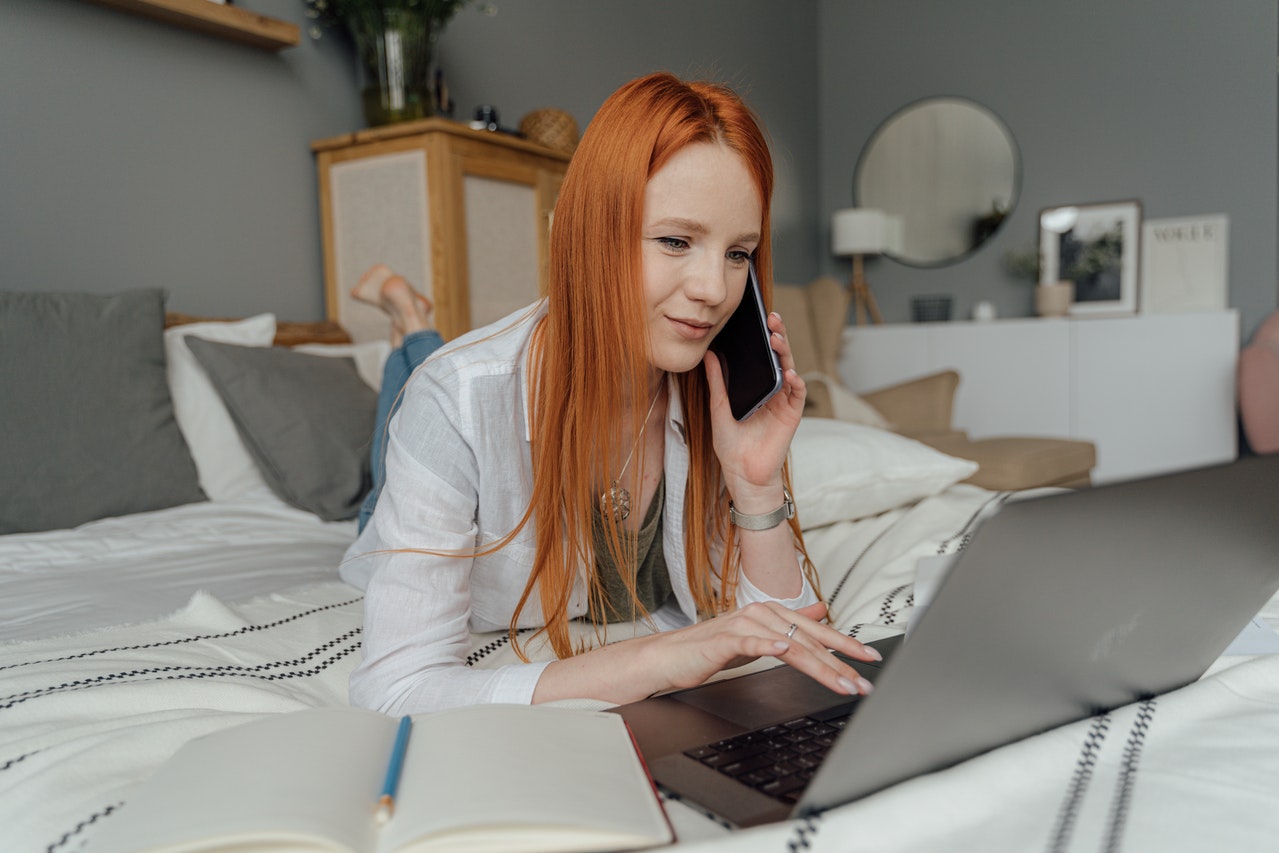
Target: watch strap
{"type": "Point", "coordinates": [768, 520]}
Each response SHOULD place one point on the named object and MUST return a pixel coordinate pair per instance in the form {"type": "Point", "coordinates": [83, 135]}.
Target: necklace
{"type": "Point", "coordinates": [617, 499]}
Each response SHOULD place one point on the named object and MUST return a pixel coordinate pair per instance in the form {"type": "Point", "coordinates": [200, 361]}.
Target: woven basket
{"type": "Point", "coordinates": [552, 128]}
{"type": "Point", "coordinates": [930, 308]}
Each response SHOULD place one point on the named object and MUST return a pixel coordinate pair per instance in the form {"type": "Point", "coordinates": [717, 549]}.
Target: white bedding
{"type": "Point", "coordinates": [121, 570]}
{"type": "Point", "coordinates": [83, 718]}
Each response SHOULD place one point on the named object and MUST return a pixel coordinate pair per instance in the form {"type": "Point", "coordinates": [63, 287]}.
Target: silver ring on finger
{"type": "Point", "coordinates": [790, 632]}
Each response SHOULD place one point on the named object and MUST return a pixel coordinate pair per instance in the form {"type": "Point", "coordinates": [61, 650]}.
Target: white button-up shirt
{"type": "Point", "coordinates": [459, 478]}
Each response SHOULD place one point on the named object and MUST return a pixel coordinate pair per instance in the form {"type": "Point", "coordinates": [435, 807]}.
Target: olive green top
{"type": "Point", "coordinates": [652, 583]}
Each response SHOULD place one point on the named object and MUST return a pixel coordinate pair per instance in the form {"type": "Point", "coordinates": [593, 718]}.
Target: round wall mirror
{"type": "Point", "coordinates": [949, 168]}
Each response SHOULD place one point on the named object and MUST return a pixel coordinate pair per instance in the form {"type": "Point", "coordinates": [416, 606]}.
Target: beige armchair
{"type": "Point", "coordinates": [919, 408]}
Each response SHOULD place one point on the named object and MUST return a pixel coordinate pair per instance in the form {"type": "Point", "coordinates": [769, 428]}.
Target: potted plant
{"type": "Point", "coordinates": [394, 41]}
{"type": "Point", "coordinates": [1052, 298]}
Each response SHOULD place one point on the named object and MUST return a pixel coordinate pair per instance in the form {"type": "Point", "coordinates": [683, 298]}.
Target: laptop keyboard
{"type": "Point", "coordinates": [777, 760]}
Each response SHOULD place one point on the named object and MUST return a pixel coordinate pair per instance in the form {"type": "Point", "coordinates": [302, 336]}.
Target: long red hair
{"type": "Point", "coordinates": [591, 351]}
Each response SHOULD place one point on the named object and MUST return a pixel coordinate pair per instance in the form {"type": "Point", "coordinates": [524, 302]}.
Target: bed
{"type": "Point", "coordinates": [129, 633]}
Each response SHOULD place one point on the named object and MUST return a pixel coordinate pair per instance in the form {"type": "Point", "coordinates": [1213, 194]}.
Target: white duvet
{"type": "Point", "coordinates": [86, 715]}
{"type": "Point", "coordinates": [121, 570]}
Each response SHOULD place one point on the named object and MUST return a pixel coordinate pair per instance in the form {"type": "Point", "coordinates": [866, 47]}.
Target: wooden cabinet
{"type": "Point", "coordinates": [1155, 392]}
{"type": "Point", "coordinates": [464, 214]}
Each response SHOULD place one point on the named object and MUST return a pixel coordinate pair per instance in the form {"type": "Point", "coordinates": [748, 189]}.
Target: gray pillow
{"type": "Point", "coordinates": [85, 413]}
{"type": "Point", "coordinates": [307, 421]}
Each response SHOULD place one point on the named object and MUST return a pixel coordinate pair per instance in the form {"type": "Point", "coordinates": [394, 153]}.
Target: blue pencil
{"type": "Point", "coordinates": [386, 803]}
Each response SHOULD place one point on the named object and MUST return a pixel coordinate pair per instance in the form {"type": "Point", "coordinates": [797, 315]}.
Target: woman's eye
{"type": "Point", "coordinates": [738, 256]}
{"type": "Point", "coordinates": [674, 243]}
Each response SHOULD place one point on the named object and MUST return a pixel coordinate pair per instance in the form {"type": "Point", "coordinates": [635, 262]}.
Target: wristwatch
{"type": "Point", "coordinates": [768, 520]}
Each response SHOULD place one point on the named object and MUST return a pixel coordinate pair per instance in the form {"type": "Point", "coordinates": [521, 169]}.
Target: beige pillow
{"type": "Point", "coordinates": [844, 405]}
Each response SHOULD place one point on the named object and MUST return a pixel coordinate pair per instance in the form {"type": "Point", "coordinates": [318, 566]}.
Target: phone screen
{"type": "Point", "coordinates": [752, 371]}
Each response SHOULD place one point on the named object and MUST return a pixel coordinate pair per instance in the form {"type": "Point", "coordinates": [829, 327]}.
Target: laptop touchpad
{"type": "Point", "coordinates": [778, 694]}
{"type": "Point", "coordinates": [762, 698]}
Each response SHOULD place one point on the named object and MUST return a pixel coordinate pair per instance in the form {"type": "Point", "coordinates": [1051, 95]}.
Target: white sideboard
{"type": "Point", "coordinates": [1155, 393]}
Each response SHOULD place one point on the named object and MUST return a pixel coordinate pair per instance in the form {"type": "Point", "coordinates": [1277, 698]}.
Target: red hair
{"type": "Point", "coordinates": [591, 350]}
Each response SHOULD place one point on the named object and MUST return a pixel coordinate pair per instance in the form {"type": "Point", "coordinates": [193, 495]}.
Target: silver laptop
{"type": "Point", "coordinates": [1059, 608]}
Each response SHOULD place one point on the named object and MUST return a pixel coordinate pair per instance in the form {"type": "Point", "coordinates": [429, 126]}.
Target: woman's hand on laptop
{"type": "Point", "coordinates": [796, 637]}
{"type": "Point", "coordinates": [686, 657]}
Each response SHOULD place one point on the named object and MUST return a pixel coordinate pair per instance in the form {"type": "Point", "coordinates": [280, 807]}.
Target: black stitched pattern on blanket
{"type": "Point", "coordinates": [247, 629]}
{"type": "Point", "coordinates": [262, 671]}
{"type": "Point", "coordinates": [306, 648]}
{"type": "Point", "coordinates": [856, 561]}
{"type": "Point", "coordinates": [1128, 775]}
{"type": "Point", "coordinates": [805, 829]}
{"type": "Point", "coordinates": [19, 759]}
{"type": "Point", "coordinates": [964, 535]}
{"type": "Point", "coordinates": [1084, 767]}
{"type": "Point", "coordinates": [1089, 757]}
{"type": "Point", "coordinates": [886, 612]}
{"type": "Point", "coordinates": [80, 827]}
{"type": "Point", "coordinates": [489, 648]}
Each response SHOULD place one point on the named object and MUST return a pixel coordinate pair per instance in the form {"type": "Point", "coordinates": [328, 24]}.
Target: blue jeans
{"type": "Point", "coordinates": [415, 349]}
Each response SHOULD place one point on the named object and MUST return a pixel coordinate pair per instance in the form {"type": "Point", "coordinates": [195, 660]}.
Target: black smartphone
{"type": "Point", "coordinates": [752, 371]}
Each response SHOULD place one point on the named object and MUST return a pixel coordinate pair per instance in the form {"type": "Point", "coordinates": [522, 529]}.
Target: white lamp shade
{"type": "Point", "coordinates": [862, 231]}
{"type": "Point", "coordinates": [892, 233]}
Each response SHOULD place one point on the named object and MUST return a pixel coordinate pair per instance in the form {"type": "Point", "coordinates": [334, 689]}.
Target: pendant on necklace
{"type": "Point", "coordinates": [616, 501]}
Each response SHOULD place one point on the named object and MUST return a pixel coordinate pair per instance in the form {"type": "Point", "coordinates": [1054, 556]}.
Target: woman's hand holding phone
{"type": "Point", "coordinates": [751, 452]}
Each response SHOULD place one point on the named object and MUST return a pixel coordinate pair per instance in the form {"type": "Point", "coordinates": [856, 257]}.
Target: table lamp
{"type": "Point", "coordinates": [858, 232]}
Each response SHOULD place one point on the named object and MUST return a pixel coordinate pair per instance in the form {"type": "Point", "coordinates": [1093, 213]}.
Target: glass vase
{"type": "Point", "coordinates": [394, 47]}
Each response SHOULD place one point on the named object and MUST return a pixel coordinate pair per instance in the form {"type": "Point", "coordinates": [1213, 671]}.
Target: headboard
{"type": "Point", "coordinates": [287, 334]}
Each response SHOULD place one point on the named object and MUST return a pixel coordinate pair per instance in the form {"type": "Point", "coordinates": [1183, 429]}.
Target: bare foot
{"type": "Point", "coordinates": [409, 310]}
{"type": "Point", "coordinates": [369, 288]}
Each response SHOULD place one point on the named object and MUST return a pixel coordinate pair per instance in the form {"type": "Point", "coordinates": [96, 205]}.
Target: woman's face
{"type": "Point", "coordinates": [702, 220]}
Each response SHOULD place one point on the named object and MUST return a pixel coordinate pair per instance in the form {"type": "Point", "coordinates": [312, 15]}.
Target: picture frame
{"type": "Point", "coordinates": [1185, 264]}
{"type": "Point", "coordinates": [1098, 247]}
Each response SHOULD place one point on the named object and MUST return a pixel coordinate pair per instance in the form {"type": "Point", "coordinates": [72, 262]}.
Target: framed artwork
{"type": "Point", "coordinates": [1184, 264]}
{"type": "Point", "coordinates": [1096, 246]}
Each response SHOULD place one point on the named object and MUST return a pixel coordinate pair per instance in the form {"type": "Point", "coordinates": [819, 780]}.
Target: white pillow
{"type": "Point", "coordinates": [369, 357]}
{"type": "Point", "coordinates": [226, 470]}
{"type": "Point", "coordinates": [843, 471]}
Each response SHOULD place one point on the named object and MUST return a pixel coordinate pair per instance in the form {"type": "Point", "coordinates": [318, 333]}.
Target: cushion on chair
{"type": "Point", "coordinates": [792, 303]}
{"type": "Point", "coordinates": [815, 316]}
{"type": "Point", "coordinates": [828, 398]}
{"type": "Point", "coordinates": [1024, 463]}
{"type": "Point", "coordinates": [828, 300]}
{"type": "Point", "coordinates": [921, 407]}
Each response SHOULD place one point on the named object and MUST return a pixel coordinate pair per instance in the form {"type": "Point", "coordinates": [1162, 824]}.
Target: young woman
{"type": "Point", "coordinates": [578, 460]}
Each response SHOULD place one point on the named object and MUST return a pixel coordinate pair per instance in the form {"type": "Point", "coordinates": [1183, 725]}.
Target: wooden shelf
{"type": "Point", "coordinates": [229, 22]}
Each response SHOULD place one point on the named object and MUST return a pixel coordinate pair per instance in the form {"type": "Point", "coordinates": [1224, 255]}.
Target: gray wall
{"type": "Point", "coordinates": [1172, 102]}
{"type": "Point", "coordinates": [135, 153]}
{"type": "Point", "coordinates": [571, 54]}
